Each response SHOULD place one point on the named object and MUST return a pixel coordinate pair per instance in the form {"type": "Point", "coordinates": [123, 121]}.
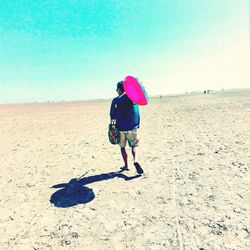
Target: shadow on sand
{"type": "Point", "coordinates": [74, 192]}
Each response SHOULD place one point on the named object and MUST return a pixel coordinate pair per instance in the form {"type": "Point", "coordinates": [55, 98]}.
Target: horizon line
{"type": "Point", "coordinates": [106, 99]}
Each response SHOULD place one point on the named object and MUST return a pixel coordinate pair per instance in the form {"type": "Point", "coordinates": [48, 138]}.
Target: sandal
{"type": "Point", "coordinates": [138, 168]}
{"type": "Point", "coordinates": [124, 168]}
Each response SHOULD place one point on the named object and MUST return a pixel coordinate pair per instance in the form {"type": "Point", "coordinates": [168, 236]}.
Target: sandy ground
{"type": "Point", "coordinates": [194, 194]}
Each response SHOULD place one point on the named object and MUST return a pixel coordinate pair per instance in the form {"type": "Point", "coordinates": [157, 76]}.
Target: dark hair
{"type": "Point", "coordinates": [120, 86]}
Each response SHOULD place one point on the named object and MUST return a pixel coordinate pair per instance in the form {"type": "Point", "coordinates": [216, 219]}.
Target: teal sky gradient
{"type": "Point", "coordinates": [75, 50]}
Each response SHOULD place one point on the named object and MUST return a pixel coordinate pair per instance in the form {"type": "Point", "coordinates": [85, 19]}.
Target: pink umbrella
{"type": "Point", "coordinates": [135, 91]}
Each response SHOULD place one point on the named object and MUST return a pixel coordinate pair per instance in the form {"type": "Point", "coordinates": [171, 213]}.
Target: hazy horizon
{"type": "Point", "coordinates": [77, 50]}
{"type": "Point", "coordinates": [194, 92]}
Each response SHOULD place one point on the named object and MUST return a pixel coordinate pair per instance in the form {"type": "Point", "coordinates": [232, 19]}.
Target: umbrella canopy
{"type": "Point", "coordinates": [135, 90]}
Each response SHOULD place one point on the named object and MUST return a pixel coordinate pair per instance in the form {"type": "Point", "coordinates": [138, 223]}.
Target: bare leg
{"type": "Point", "coordinates": [136, 164]}
{"type": "Point", "coordinates": [135, 154]}
{"type": "Point", "coordinates": [125, 157]}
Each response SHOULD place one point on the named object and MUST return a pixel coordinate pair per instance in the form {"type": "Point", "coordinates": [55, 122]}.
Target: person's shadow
{"type": "Point", "coordinates": [75, 192]}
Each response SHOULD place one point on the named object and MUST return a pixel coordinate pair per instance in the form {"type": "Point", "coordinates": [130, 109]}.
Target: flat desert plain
{"type": "Point", "coordinates": [61, 187]}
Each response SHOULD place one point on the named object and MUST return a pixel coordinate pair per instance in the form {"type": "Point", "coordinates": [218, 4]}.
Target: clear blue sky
{"type": "Point", "coordinates": [73, 50]}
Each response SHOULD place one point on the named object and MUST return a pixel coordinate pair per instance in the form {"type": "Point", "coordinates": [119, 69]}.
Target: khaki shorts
{"type": "Point", "coordinates": [130, 137]}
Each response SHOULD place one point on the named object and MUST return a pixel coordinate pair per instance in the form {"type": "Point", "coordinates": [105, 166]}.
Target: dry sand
{"type": "Point", "coordinates": [194, 193]}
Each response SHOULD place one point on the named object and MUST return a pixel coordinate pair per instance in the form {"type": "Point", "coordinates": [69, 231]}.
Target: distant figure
{"type": "Point", "coordinates": [125, 114]}
{"type": "Point", "coordinates": [205, 92]}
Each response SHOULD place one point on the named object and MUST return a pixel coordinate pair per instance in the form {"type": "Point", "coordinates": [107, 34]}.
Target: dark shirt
{"type": "Point", "coordinates": [125, 112]}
